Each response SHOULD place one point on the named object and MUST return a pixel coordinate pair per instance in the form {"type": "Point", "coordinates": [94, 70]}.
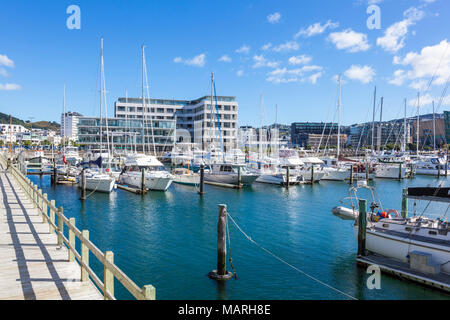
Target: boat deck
{"type": "Point", "coordinates": [32, 265]}
{"type": "Point", "coordinates": [440, 281]}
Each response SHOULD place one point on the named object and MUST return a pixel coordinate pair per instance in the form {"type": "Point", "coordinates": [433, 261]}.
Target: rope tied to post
{"type": "Point", "coordinates": [287, 263]}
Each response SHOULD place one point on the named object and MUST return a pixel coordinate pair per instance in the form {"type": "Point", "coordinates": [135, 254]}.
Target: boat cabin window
{"type": "Point", "coordinates": [433, 233]}
{"type": "Point", "coordinates": [226, 168]}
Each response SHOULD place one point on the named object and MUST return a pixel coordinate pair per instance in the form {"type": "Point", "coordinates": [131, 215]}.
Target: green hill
{"type": "Point", "coordinates": [46, 125]}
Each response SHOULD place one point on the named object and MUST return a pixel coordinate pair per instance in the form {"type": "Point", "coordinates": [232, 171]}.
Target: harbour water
{"type": "Point", "coordinates": [168, 239]}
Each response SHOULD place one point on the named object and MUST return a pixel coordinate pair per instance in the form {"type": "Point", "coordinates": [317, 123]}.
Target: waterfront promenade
{"type": "Point", "coordinates": [32, 265]}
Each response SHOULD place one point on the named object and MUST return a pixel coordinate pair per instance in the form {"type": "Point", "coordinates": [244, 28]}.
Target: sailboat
{"type": "Point", "coordinates": [97, 180]}
{"type": "Point", "coordinates": [220, 171]}
{"type": "Point", "coordinates": [156, 177]}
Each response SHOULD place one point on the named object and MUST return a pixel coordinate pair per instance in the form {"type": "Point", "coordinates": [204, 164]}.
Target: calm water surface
{"type": "Point", "coordinates": [168, 239]}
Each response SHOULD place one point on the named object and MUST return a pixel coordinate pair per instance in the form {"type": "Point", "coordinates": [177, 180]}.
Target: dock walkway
{"type": "Point", "coordinates": [32, 265]}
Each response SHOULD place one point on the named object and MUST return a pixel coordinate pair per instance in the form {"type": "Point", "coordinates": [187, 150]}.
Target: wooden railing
{"type": "Point", "coordinates": [57, 221]}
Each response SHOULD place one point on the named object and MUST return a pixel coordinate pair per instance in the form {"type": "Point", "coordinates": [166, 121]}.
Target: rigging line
{"type": "Point", "coordinates": [287, 263]}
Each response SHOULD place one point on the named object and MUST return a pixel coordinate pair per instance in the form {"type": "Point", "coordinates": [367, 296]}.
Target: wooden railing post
{"type": "Point", "coordinates": [44, 207]}
{"type": "Point", "coordinates": [39, 201]}
{"type": "Point", "coordinates": [84, 255]}
{"type": "Point", "coordinates": [71, 239]}
{"type": "Point", "coordinates": [51, 229]}
{"type": "Point", "coordinates": [60, 226]}
{"type": "Point", "coordinates": [108, 280]}
{"type": "Point", "coordinates": [149, 292]}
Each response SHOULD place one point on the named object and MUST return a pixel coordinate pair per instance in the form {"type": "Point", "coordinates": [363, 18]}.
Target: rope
{"type": "Point", "coordinates": [288, 264]}
{"type": "Point", "coordinates": [229, 247]}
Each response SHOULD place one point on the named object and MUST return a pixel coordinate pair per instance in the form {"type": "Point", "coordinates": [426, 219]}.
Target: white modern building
{"type": "Point", "coordinates": [69, 125]}
{"type": "Point", "coordinates": [197, 121]}
{"type": "Point", "coordinates": [13, 129]}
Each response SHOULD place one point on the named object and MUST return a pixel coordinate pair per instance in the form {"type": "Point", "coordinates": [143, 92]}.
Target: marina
{"type": "Point", "coordinates": [176, 229]}
{"type": "Point", "coordinates": [225, 156]}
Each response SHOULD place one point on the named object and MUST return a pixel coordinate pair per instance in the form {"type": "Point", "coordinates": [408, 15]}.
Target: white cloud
{"type": "Point", "coordinates": [240, 73]}
{"type": "Point", "coordinates": [316, 29]}
{"type": "Point", "coordinates": [3, 72]}
{"type": "Point", "coordinates": [274, 17]}
{"type": "Point", "coordinates": [314, 77]}
{"type": "Point", "coordinates": [349, 40]}
{"type": "Point", "coordinates": [9, 87]}
{"type": "Point", "coordinates": [302, 59]}
{"type": "Point", "coordinates": [225, 58]}
{"type": "Point", "coordinates": [432, 61]}
{"type": "Point", "coordinates": [303, 74]}
{"type": "Point", "coordinates": [427, 100]}
{"type": "Point", "coordinates": [287, 46]}
{"type": "Point", "coordinates": [363, 74]}
{"type": "Point", "coordinates": [394, 36]}
{"type": "Point", "coordinates": [260, 62]}
{"type": "Point", "coordinates": [5, 61]}
{"type": "Point", "coordinates": [197, 61]}
{"type": "Point", "coordinates": [266, 46]}
{"type": "Point", "coordinates": [243, 49]}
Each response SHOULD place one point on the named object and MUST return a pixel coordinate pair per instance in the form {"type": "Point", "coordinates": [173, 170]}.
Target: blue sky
{"type": "Point", "coordinates": [290, 51]}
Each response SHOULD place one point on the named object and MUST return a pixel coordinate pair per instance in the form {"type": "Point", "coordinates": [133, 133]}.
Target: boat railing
{"type": "Point", "coordinates": [57, 221]}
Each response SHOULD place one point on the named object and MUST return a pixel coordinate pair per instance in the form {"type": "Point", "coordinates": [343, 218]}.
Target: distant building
{"type": "Point", "coordinates": [426, 131]}
{"type": "Point", "coordinates": [126, 134]}
{"type": "Point", "coordinates": [69, 123]}
{"type": "Point", "coordinates": [13, 129]}
{"type": "Point", "coordinates": [194, 118]}
{"type": "Point", "coordinates": [301, 131]}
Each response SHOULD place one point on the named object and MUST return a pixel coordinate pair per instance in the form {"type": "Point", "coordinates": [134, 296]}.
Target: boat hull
{"type": "Point", "coordinates": [99, 185]}
{"type": "Point", "coordinates": [151, 182]}
{"type": "Point", "coordinates": [399, 248]}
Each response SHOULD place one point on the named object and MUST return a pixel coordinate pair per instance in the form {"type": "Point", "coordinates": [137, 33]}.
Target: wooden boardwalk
{"type": "Point", "coordinates": [32, 265]}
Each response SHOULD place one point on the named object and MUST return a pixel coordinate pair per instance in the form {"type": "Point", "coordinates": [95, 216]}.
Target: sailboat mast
{"type": "Point", "coordinates": [260, 125]}
{"type": "Point", "coordinates": [212, 121]}
{"type": "Point", "coordinates": [434, 129]}
{"type": "Point", "coordinates": [418, 116]}
{"type": "Point", "coordinates": [379, 126]}
{"type": "Point", "coordinates": [64, 119]}
{"type": "Point", "coordinates": [101, 94]}
{"type": "Point", "coordinates": [339, 120]}
{"type": "Point", "coordinates": [143, 102]}
{"type": "Point", "coordinates": [404, 130]}
{"type": "Point", "coordinates": [373, 116]}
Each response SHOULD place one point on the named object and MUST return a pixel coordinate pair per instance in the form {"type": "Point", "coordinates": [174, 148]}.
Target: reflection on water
{"type": "Point", "coordinates": [169, 239]}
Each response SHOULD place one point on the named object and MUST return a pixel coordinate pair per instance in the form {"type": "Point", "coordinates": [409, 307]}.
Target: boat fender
{"type": "Point", "coordinates": [392, 211]}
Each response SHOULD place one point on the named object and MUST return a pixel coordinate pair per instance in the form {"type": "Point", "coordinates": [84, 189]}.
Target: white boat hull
{"type": "Point", "coordinates": [99, 185]}
{"type": "Point", "coordinates": [336, 174]}
{"type": "Point", "coordinates": [390, 172]}
{"type": "Point", "coordinates": [152, 182]}
{"type": "Point", "coordinates": [230, 178]}
{"type": "Point", "coordinates": [271, 179]}
{"type": "Point", "coordinates": [399, 248]}
{"type": "Point", "coordinates": [188, 179]}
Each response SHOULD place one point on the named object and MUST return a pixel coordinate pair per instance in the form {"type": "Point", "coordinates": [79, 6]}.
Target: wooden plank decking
{"type": "Point", "coordinates": [32, 265]}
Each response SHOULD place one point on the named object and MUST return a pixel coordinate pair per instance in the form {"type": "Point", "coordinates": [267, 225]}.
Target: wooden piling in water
{"type": "Point", "coordinates": [351, 175]}
{"type": "Point", "coordinates": [405, 204]}
{"type": "Point", "coordinates": [143, 190]}
{"type": "Point", "coordinates": [202, 179]}
{"type": "Point", "coordinates": [362, 224]}
{"type": "Point", "coordinates": [221, 272]}
{"type": "Point", "coordinates": [312, 174]}
{"type": "Point", "coordinates": [83, 185]}
{"type": "Point", "coordinates": [287, 176]}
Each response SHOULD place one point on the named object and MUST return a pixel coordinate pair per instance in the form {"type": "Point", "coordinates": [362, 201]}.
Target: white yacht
{"type": "Point", "coordinates": [334, 170]}
{"type": "Point", "coordinates": [430, 166]}
{"type": "Point", "coordinates": [397, 237]}
{"type": "Point", "coordinates": [269, 171]}
{"type": "Point", "coordinates": [97, 181]}
{"type": "Point", "coordinates": [186, 177]}
{"type": "Point", "coordinates": [156, 176]}
{"type": "Point", "coordinates": [229, 173]}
